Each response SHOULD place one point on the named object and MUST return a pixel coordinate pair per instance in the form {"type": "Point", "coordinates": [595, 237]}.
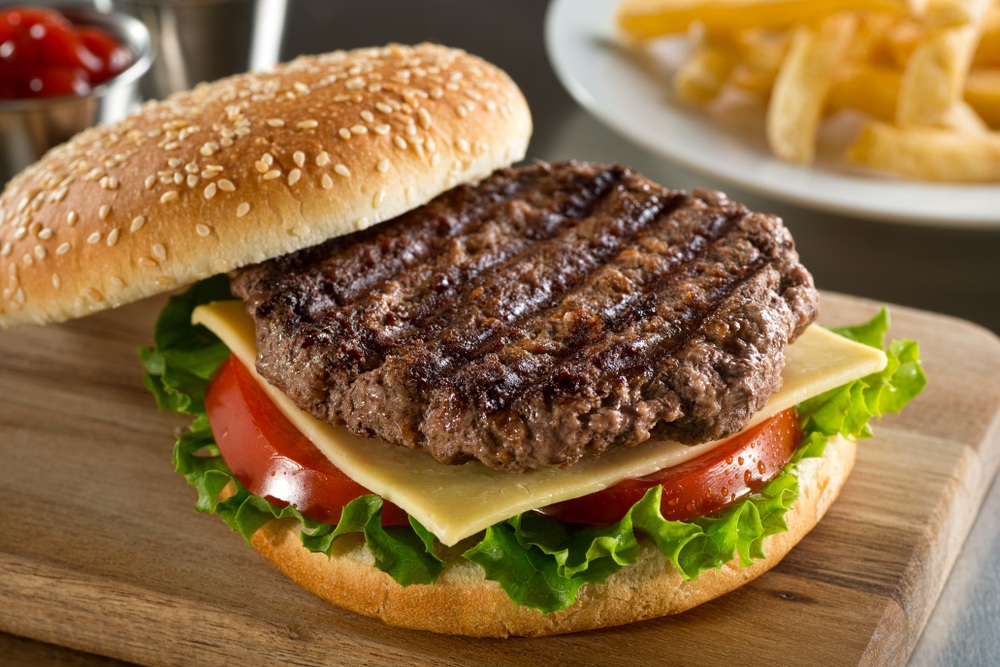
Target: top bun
{"type": "Point", "coordinates": [248, 168]}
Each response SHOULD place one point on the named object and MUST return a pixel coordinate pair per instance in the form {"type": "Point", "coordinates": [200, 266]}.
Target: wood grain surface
{"type": "Point", "coordinates": [101, 551]}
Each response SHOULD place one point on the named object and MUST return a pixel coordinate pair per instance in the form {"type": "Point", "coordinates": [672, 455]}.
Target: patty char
{"type": "Point", "coordinates": [545, 315]}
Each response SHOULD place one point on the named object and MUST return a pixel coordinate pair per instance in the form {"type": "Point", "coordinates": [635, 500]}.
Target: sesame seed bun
{"type": "Point", "coordinates": [249, 168]}
{"type": "Point", "coordinates": [462, 602]}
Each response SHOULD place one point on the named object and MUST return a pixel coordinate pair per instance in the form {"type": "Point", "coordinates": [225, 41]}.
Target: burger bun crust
{"type": "Point", "coordinates": [248, 168]}
{"type": "Point", "coordinates": [462, 602]}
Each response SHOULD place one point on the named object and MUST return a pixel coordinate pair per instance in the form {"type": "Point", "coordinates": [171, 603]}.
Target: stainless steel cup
{"type": "Point", "coordinates": [205, 40]}
{"type": "Point", "coordinates": [30, 127]}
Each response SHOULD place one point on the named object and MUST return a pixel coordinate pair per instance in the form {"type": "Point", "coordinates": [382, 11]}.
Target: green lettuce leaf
{"type": "Point", "coordinates": [541, 563]}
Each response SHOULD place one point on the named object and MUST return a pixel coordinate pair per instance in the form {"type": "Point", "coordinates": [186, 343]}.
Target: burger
{"type": "Point", "coordinates": [443, 391]}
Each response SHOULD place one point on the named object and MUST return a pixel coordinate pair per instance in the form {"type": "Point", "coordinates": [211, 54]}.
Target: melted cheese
{"type": "Point", "coordinates": [454, 502]}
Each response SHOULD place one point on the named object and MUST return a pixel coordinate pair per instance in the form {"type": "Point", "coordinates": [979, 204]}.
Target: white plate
{"type": "Point", "coordinates": [628, 92]}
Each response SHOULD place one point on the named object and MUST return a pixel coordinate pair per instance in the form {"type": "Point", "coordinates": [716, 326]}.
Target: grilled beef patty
{"type": "Point", "coordinates": [545, 315]}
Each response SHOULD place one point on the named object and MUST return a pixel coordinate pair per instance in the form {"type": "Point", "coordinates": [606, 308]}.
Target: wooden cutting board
{"type": "Point", "coordinates": [100, 549]}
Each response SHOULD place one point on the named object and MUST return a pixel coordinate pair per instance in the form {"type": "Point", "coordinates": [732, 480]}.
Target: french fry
{"type": "Point", "coordinates": [982, 92]}
{"type": "Point", "coordinates": [800, 90]}
{"type": "Point", "coordinates": [645, 19]}
{"type": "Point", "coordinates": [928, 153]}
{"type": "Point", "coordinates": [870, 89]}
{"type": "Point", "coordinates": [935, 73]}
{"type": "Point", "coordinates": [988, 49]}
{"type": "Point", "coordinates": [748, 59]}
{"type": "Point", "coordinates": [706, 69]}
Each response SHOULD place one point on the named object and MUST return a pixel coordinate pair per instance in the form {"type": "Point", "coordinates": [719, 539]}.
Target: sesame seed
{"type": "Point", "coordinates": [226, 185]}
{"type": "Point", "coordinates": [55, 281]}
{"type": "Point", "coordinates": [307, 124]}
{"type": "Point", "coordinates": [20, 233]}
{"type": "Point", "coordinates": [117, 282]}
{"type": "Point", "coordinates": [461, 111]}
{"type": "Point", "coordinates": [399, 141]}
{"type": "Point", "coordinates": [462, 145]}
{"type": "Point", "coordinates": [294, 175]}
{"type": "Point", "coordinates": [359, 129]}
{"type": "Point", "coordinates": [45, 234]}
{"type": "Point", "coordinates": [94, 238]}
{"type": "Point", "coordinates": [172, 146]}
{"type": "Point", "coordinates": [383, 165]}
{"type": "Point", "coordinates": [112, 237]}
{"type": "Point", "coordinates": [175, 162]}
{"type": "Point", "coordinates": [344, 133]}
{"type": "Point", "coordinates": [203, 230]}
{"type": "Point", "coordinates": [169, 196]}
{"type": "Point", "coordinates": [59, 194]}
{"type": "Point", "coordinates": [104, 212]}
{"type": "Point", "coordinates": [378, 198]}
{"type": "Point", "coordinates": [275, 122]}
{"type": "Point", "coordinates": [192, 180]}
{"type": "Point", "coordinates": [137, 223]}
{"type": "Point", "coordinates": [367, 116]}
{"type": "Point", "coordinates": [299, 158]}
{"type": "Point", "coordinates": [242, 209]}
{"type": "Point", "coordinates": [381, 129]}
{"type": "Point", "coordinates": [40, 251]}
{"type": "Point", "coordinates": [323, 159]}
{"type": "Point", "coordinates": [178, 178]}
{"type": "Point", "coordinates": [5, 250]}
{"type": "Point", "coordinates": [272, 174]}
{"type": "Point", "coordinates": [146, 262]}
{"type": "Point", "coordinates": [159, 251]}
{"type": "Point", "coordinates": [63, 248]}
{"type": "Point", "coordinates": [435, 159]}
{"type": "Point", "coordinates": [424, 117]}
{"type": "Point", "coordinates": [342, 169]}
{"type": "Point", "coordinates": [150, 182]}
{"type": "Point", "coordinates": [267, 159]}
{"type": "Point", "coordinates": [327, 182]}
{"type": "Point", "coordinates": [210, 190]}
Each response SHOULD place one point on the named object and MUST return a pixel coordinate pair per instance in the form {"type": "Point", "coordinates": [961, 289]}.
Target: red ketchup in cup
{"type": "Point", "coordinates": [42, 54]}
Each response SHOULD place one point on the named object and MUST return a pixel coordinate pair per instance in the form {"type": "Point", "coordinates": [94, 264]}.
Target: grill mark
{"type": "Point", "coordinates": [434, 290]}
{"type": "Point", "coordinates": [554, 348]}
{"type": "Point", "coordinates": [357, 322]}
{"type": "Point", "coordinates": [345, 267]}
{"type": "Point", "coordinates": [529, 284]}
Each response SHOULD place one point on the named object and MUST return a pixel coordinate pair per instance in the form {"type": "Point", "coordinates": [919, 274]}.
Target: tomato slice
{"type": "Point", "coordinates": [741, 465]}
{"type": "Point", "coordinates": [271, 458]}
{"type": "Point", "coordinates": [274, 460]}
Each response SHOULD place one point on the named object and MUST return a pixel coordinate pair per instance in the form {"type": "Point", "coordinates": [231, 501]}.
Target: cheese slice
{"type": "Point", "coordinates": [454, 502]}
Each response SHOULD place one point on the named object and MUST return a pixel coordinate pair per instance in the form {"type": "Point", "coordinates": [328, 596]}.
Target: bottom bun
{"type": "Point", "coordinates": [462, 602]}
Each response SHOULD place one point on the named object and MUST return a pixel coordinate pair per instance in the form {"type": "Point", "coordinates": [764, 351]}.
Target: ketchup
{"type": "Point", "coordinates": [42, 54]}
